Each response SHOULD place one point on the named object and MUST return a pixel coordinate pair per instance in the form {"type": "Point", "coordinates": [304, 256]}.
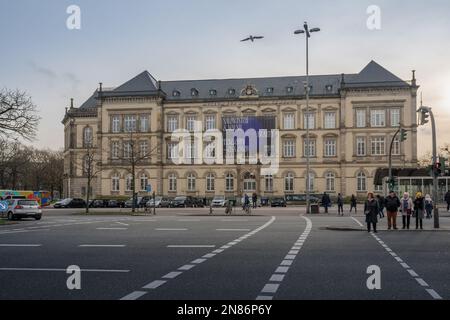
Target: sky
{"type": "Point", "coordinates": [198, 39]}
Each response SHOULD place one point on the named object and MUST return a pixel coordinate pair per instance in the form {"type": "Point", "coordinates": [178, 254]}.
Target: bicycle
{"type": "Point", "coordinates": [247, 209]}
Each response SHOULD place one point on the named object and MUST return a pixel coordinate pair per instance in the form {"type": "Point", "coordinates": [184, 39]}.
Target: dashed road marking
{"type": "Point", "coordinates": [190, 246]}
{"type": "Point", "coordinates": [102, 246]}
{"type": "Point", "coordinates": [171, 229]}
{"type": "Point", "coordinates": [63, 270]}
{"type": "Point", "coordinates": [134, 295]}
{"type": "Point", "coordinates": [21, 245]}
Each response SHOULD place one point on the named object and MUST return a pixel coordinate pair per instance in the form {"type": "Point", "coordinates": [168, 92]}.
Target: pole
{"type": "Point", "coordinates": [308, 147]}
{"type": "Point", "coordinates": [390, 158]}
{"type": "Point", "coordinates": [154, 203]}
{"type": "Point", "coordinates": [435, 178]}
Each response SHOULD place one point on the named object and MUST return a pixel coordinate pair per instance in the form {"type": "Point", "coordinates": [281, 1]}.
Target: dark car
{"type": "Point", "coordinates": [70, 203]}
{"type": "Point", "coordinates": [183, 202]}
{"type": "Point", "coordinates": [140, 202]}
{"type": "Point", "coordinates": [301, 199]}
{"type": "Point", "coordinates": [278, 202]}
{"type": "Point", "coordinates": [97, 204]}
{"type": "Point", "coordinates": [113, 204]}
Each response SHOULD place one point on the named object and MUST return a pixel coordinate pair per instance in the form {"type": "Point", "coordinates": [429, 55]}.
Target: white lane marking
{"type": "Point", "coordinates": [101, 246]}
{"type": "Point", "coordinates": [434, 294]}
{"type": "Point", "coordinates": [171, 229]}
{"type": "Point", "coordinates": [212, 254]}
{"type": "Point", "coordinates": [277, 278]}
{"type": "Point", "coordinates": [123, 224]}
{"type": "Point", "coordinates": [357, 221]}
{"type": "Point", "coordinates": [412, 273]}
{"type": "Point", "coordinates": [233, 220]}
{"type": "Point", "coordinates": [154, 284]}
{"type": "Point", "coordinates": [24, 231]}
{"type": "Point", "coordinates": [63, 270]}
{"type": "Point", "coordinates": [172, 275]}
{"type": "Point", "coordinates": [189, 220]}
{"type": "Point", "coordinates": [422, 282]}
{"type": "Point", "coordinates": [112, 228]}
{"type": "Point", "coordinates": [21, 245]}
{"type": "Point", "coordinates": [190, 246]}
{"type": "Point", "coordinates": [134, 295]}
{"type": "Point", "coordinates": [404, 265]}
{"type": "Point", "coordinates": [198, 261]}
{"type": "Point", "coordinates": [231, 230]}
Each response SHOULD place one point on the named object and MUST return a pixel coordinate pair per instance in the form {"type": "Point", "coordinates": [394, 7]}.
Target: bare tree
{"type": "Point", "coordinates": [18, 115]}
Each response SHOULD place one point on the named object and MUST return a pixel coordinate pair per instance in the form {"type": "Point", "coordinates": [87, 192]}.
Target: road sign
{"type": "Point", "coordinates": [149, 188]}
{"type": "Point", "coordinates": [3, 206]}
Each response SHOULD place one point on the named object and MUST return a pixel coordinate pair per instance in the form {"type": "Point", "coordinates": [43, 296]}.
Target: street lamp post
{"type": "Point", "coordinates": [307, 148]}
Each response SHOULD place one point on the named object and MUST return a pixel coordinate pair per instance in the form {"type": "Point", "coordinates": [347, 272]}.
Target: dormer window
{"type": "Point", "coordinates": [290, 89]}
{"type": "Point", "coordinates": [176, 93]}
{"type": "Point", "coordinates": [329, 87]}
{"type": "Point", "coordinates": [269, 90]}
{"type": "Point", "coordinates": [213, 92]}
{"type": "Point", "coordinates": [231, 92]}
{"type": "Point", "coordinates": [194, 92]}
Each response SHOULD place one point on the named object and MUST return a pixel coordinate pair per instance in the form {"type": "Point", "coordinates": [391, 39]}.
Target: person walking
{"type": "Point", "coordinates": [254, 200]}
{"type": "Point", "coordinates": [353, 203]}
{"type": "Point", "coordinates": [429, 206]}
{"type": "Point", "coordinates": [447, 200]}
{"type": "Point", "coordinates": [380, 200]}
{"type": "Point", "coordinates": [326, 201]}
{"type": "Point", "coordinates": [392, 204]}
{"type": "Point", "coordinates": [406, 209]}
{"type": "Point", "coordinates": [340, 203]}
{"type": "Point", "coordinates": [371, 210]}
{"type": "Point", "coordinates": [419, 210]}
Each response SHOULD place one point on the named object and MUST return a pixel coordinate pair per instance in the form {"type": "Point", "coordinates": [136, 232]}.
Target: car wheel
{"type": "Point", "coordinates": [10, 216]}
{"type": "Point", "coordinates": [38, 218]}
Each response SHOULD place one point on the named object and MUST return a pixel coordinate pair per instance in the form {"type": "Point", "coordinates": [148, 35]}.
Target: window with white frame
{"type": "Point", "coordinates": [130, 123]}
{"type": "Point", "coordinates": [191, 181]}
{"type": "Point", "coordinates": [88, 137]}
{"type": "Point", "coordinates": [330, 120]}
{"type": "Point", "coordinates": [210, 122]}
{"type": "Point", "coordinates": [143, 182]}
{"type": "Point", "coordinates": [330, 178]}
{"type": "Point", "coordinates": [190, 123]}
{"type": "Point", "coordinates": [210, 150]}
{"type": "Point", "coordinates": [172, 183]}
{"type": "Point", "coordinates": [172, 123]}
{"type": "Point", "coordinates": [309, 120]}
{"type": "Point", "coordinates": [229, 182]}
{"type": "Point", "coordinates": [330, 147]}
{"type": "Point", "coordinates": [268, 183]}
{"type": "Point", "coordinates": [210, 182]}
{"type": "Point", "coordinates": [361, 146]}
{"type": "Point", "coordinates": [396, 147]}
{"type": "Point", "coordinates": [115, 150]}
{"type": "Point", "coordinates": [191, 150]}
{"type": "Point", "coordinates": [310, 182]}
{"type": "Point", "coordinates": [377, 118]}
{"type": "Point", "coordinates": [144, 123]}
{"type": "Point", "coordinates": [379, 188]}
{"type": "Point", "coordinates": [289, 182]}
{"type": "Point", "coordinates": [143, 149]}
{"type": "Point", "coordinates": [361, 118]}
{"type": "Point", "coordinates": [289, 121]}
{"type": "Point", "coordinates": [361, 182]}
{"type": "Point", "coordinates": [115, 183]}
{"type": "Point", "coordinates": [309, 148]}
{"type": "Point", "coordinates": [115, 124]}
{"type": "Point", "coordinates": [172, 150]}
{"type": "Point", "coordinates": [129, 183]}
{"type": "Point", "coordinates": [395, 117]}
{"type": "Point", "coordinates": [289, 148]}
{"type": "Point", "coordinates": [127, 150]}
{"type": "Point", "coordinates": [378, 146]}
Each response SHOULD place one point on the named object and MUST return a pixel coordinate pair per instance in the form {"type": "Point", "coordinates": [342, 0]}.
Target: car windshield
{"type": "Point", "coordinates": [28, 203]}
{"type": "Point", "coordinates": [219, 198]}
{"type": "Point", "coordinates": [66, 201]}
{"type": "Point", "coordinates": [180, 198]}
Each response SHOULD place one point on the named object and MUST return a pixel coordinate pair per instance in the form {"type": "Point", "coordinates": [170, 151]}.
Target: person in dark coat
{"type": "Point", "coordinates": [326, 201]}
{"type": "Point", "coordinates": [371, 210]}
{"type": "Point", "coordinates": [447, 199]}
{"type": "Point", "coordinates": [380, 200]}
{"type": "Point", "coordinates": [340, 203]}
{"type": "Point", "coordinates": [254, 200]}
{"type": "Point", "coordinates": [392, 204]}
{"type": "Point", "coordinates": [353, 203]}
{"type": "Point", "coordinates": [419, 209]}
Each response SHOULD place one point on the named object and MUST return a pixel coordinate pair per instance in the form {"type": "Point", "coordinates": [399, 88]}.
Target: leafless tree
{"type": "Point", "coordinates": [18, 115]}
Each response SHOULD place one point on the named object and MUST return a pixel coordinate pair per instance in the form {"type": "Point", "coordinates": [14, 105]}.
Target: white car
{"type": "Point", "coordinates": [20, 208]}
{"type": "Point", "coordinates": [219, 201]}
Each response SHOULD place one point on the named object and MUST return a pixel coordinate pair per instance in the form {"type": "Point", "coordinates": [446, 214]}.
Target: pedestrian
{"type": "Point", "coordinates": [392, 204]}
{"type": "Point", "coordinates": [429, 206]}
{"type": "Point", "coordinates": [371, 210]}
{"type": "Point", "coordinates": [353, 204]}
{"type": "Point", "coordinates": [246, 201]}
{"type": "Point", "coordinates": [340, 203]}
{"type": "Point", "coordinates": [254, 200]}
{"type": "Point", "coordinates": [380, 200]}
{"type": "Point", "coordinates": [406, 205]}
{"type": "Point", "coordinates": [419, 210]}
{"type": "Point", "coordinates": [447, 199]}
{"type": "Point", "coordinates": [326, 201]}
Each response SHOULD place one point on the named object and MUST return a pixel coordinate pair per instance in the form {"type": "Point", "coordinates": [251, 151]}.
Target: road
{"type": "Point", "coordinates": [187, 254]}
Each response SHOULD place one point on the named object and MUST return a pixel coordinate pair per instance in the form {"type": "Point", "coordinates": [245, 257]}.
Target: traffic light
{"type": "Point", "coordinates": [403, 135]}
{"type": "Point", "coordinates": [424, 117]}
{"type": "Point", "coordinates": [437, 169]}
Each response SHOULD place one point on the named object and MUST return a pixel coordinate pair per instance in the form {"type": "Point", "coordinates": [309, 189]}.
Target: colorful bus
{"type": "Point", "coordinates": [43, 197]}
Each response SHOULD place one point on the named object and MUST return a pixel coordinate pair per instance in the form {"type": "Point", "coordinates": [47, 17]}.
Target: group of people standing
{"type": "Point", "coordinates": [417, 208]}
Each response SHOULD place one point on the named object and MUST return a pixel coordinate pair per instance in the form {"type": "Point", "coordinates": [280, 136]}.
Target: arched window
{"type": "Point", "coordinates": [210, 182]}
{"type": "Point", "coordinates": [191, 182]}
{"type": "Point", "coordinates": [289, 182]}
{"type": "Point", "coordinates": [229, 182]}
{"type": "Point", "coordinates": [361, 182]}
{"type": "Point", "coordinates": [115, 183]}
{"type": "Point", "coordinates": [172, 183]}
{"type": "Point", "coordinates": [88, 137]}
{"type": "Point", "coordinates": [330, 181]}
{"type": "Point", "coordinates": [143, 182]}
{"type": "Point", "coordinates": [129, 183]}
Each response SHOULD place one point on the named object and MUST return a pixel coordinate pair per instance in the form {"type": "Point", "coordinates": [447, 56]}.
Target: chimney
{"type": "Point", "coordinates": [71, 103]}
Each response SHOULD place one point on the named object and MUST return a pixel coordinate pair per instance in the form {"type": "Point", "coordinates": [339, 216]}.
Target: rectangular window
{"type": "Point", "coordinates": [143, 149]}
{"type": "Point", "coordinates": [289, 121]}
{"type": "Point", "coordinates": [191, 150]}
{"type": "Point", "coordinates": [190, 123]}
{"type": "Point", "coordinates": [115, 150]}
{"type": "Point", "coordinates": [330, 120]}
{"type": "Point", "coordinates": [289, 148]}
{"type": "Point", "coordinates": [310, 121]}
{"type": "Point", "coordinates": [115, 184]}
{"type": "Point", "coordinates": [269, 183]}
{"type": "Point", "coordinates": [395, 118]}
{"type": "Point", "coordinates": [172, 151]}
{"type": "Point", "coordinates": [378, 146]}
{"type": "Point", "coordinates": [396, 147]}
{"type": "Point", "coordinates": [361, 147]}
{"type": "Point", "coordinates": [378, 118]}
{"type": "Point", "coordinates": [144, 123]}
{"type": "Point", "coordinates": [210, 150]}
{"type": "Point", "coordinates": [330, 147]}
{"type": "Point", "coordinates": [172, 123]}
{"type": "Point", "coordinates": [115, 124]}
{"type": "Point", "coordinates": [310, 148]}
{"type": "Point", "coordinates": [360, 118]}
{"type": "Point", "coordinates": [130, 123]}
{"type": "Point", "coordinates": [210, 122]}
{"type": "Point", "coordinates": [127, 150]}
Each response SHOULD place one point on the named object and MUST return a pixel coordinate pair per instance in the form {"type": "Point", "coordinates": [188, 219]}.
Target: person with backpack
{"type": "Point", "coordinates": [340, 203]}
{"type": "Point", "coordinates": [392, 203]}
{"type": "Point", "coordinates": [419, 210]}
{"type": "Point", "coordinates": [353, 204]}
{"type": "Point", "coordinates": [429, 206]}
{"type": "Point", "coordinates": [406, 206]}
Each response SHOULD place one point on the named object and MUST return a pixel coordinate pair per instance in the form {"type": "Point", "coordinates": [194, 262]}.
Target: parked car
{"type": "Point", "coordinates": [96, 204]}
{"type": "Point", "coordinates": [218, 201]}
{"type": "Point", "coordinates": [183, 202]}
{"type": "Point", "coordinates": [70, 203]}
{"type": "Point", "coordinates": [160, 202]}
{"type": "Point", "coordinates": [140, 202]}
{"type": "Point", "coordinates": [19, 208]}
{"type": "Point", "coordinates": [113, 204]}
{"type": "Point", "coordinates": [294, 199]}
{"type": "Point", "coordinates": [278, 202]}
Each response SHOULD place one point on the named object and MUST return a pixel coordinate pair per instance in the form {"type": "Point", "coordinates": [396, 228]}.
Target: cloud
{"type": "Point", "coordinates": [44, 71]}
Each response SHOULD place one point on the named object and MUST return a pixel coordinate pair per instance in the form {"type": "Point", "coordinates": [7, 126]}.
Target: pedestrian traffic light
{"type": "Point", "coordinates": [437, 169]}
{"type": "Point", "coordinates": [403, 135]}
{"type": "Point", "coordinates": [424, 116]}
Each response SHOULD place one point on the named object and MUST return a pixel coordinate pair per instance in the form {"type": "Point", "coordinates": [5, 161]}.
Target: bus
{"type": "Point", "coordinates": [43, 197]}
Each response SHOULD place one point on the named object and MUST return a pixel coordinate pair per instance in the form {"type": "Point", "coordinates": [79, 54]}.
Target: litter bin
{"type": "Point", "coordinates": [315, 209]}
